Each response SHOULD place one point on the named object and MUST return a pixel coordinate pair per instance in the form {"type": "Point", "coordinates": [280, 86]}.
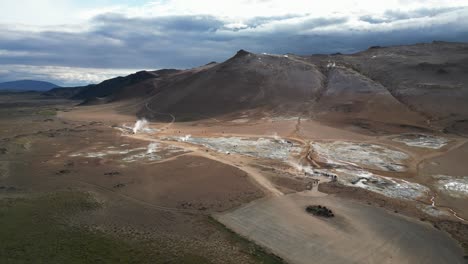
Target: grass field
{"type": "Point", "coordinates": [257, 252]}
{"type": "Point", "coordinates": [47, 112]}
{"type": "Point", "coordinates": [35, 230]}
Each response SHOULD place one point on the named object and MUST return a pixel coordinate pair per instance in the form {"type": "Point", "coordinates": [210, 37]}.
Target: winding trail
{"type": "Point", "coordinates": [267, 185]}
{"type": "Point", "coordinates": [433, 204]}
{"type": "Point", "coordinates": [196, 150]}
{"type": "Point", "coordinates": [159, 113]}
{"type": "Point", "coordinates": [419, 161]}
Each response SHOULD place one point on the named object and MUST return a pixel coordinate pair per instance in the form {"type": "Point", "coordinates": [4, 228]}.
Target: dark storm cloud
{"type": "Point", "coordinates": [114, 41]}
{"type": "Point", "coordinates": [172, 23]}
{"type": "Point", "coordinates": [257, 21]}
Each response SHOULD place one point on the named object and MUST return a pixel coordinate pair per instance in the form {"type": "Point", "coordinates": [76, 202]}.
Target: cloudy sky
{"type": "Point", "coordinates": [72, 42]}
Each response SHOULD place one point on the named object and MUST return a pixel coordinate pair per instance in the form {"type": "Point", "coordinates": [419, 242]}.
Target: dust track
{"type": "Point", "coordinates": [261, 180]}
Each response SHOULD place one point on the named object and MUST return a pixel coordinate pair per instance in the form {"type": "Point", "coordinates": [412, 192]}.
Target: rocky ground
{"type": "Point", "coordinates": [217, 164]}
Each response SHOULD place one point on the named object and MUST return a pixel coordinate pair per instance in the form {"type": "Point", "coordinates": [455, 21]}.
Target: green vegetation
{"type": "Point", "coordinates": [23, 142]}
{"type": "Point", "coordinates": [35, 230]}
{"type": "Point", "coordinates": [247, 246]}
{"type": "Point", "coordinates": [47, 112]}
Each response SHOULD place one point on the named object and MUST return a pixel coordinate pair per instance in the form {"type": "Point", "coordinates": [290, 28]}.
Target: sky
{"type": "Point", "coordinates": [76, 42]}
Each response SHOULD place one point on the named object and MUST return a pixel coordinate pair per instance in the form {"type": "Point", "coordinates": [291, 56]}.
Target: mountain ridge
{"type": "Point", "coordinates": [407, 85]}
{"type": "Point", "coordinates": [27, 85]}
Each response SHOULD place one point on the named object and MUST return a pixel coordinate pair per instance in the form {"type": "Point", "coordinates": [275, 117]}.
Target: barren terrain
{"type": "Point", "coordinates": [217, 164]}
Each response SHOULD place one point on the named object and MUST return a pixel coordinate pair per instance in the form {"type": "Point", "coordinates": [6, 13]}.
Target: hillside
{"type": "Point", "coordinates": [246, 81]}
{"type": "Point", "coordinates": [422, 86]}
{"type": "Point", "coordinates": [27, 85]}
{"type": "Point", "coordinates": [430, 79]}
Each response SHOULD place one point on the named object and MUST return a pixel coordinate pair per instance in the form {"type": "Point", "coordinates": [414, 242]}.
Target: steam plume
{"type": "Point", "coordinates": [139, 125]}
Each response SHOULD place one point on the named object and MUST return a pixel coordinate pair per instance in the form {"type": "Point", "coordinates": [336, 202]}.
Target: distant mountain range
{"type": "Point", "coordinates": [27, 85]}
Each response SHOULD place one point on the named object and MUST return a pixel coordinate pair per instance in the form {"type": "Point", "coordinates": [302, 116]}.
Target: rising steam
{"type": "Point", "coordinates": [152, 148]}
{"type": "Point", "coordinates": [278, 138]}
{"type": "Point", "coordinates": [139, 125]}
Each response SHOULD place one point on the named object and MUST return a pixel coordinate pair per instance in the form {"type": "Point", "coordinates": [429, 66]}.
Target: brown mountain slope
{"type": "Point", "coordinates": [423, 85]}
{"type": "Point", "coordinates": [431, 79]}
{"type": "Point", "coordinates": [246, 81]}
{"type": "Point", "coordinates": [352, 96]}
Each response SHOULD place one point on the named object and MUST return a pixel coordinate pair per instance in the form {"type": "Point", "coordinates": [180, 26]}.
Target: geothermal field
{"type": "Point", "coordinates": [218, 164]}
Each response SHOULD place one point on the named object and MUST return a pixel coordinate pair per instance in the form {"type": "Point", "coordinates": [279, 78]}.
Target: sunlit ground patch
{"type": "Point", "coordinates": [370, 156]}
{"type": "Point", "coordinates": [433, 211]}
{"type": "Point", "coordinates": [105, 152]}
{"type": "Point", "coordinates": [422, 141]}
{"type": "Point", "coordinates": [153, 152]}
{"type": "Point", "coordinates": [278, 149]}
{"type": "Point", "coordinates": [390, 187]}
{"type": "Point", "coordinates": [240, 120]}
{"type": "Point", "coordinates": [284, 118]}
{"type": "Point", "coordinates": [140, 127]}
{"type": "Point", "coordinates": [454, 186]}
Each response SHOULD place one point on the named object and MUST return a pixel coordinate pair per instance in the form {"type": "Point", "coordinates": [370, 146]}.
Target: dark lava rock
{"type": "Point", "coordinates": [319, 210]}
{"type": "Point", "coordinates": [119, 185]}
{"type": "Point", "coordinates": [112, 173]}
{"type": "Point", "coordinates": [62, 172]}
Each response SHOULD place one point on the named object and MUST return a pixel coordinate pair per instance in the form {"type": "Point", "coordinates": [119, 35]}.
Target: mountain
{"type": "Point", "coordinates": [65, 92]}
{"type": "Point", "coordinates": [112, 86]}
{"type": "Point", "coordinates": [27, 85]}
{"type": "Point", "coordinates": [429, 78]}
{"type": "Point", "coordinates": [402, 85]}
{"type": "Point", "coordinates": [246, 81]}
{"type": "Point", "coordinates": [115, 89]}
{"type": "Point", "coordinates": [422, 86]}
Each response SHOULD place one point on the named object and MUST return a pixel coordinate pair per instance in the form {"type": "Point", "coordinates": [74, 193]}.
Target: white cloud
{"type": "Point", "coordinates": [182, 33]}
{"type": "Point", "coordinates": [245, 9]}
{"type": "Point", "coordinates": [76, 16]}
{"type": "Point", "coordinates": [55, 12]}
{"type": "Point", "coordinates": [62, 75]}
{"type": "Point", "coordinates": [10, 53]}
{"type": "Point", "coordinates": [36, 12]}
